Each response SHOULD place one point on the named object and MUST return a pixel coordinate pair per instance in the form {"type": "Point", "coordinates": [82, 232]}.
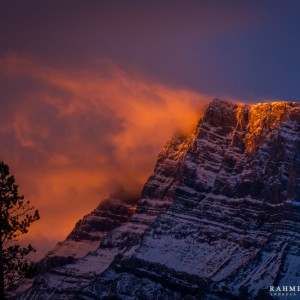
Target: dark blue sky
{"type": "Point", "coordinates": [240, 49]}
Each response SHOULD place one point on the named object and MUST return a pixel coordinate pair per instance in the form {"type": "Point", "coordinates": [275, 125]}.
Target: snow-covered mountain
{"type": "Point", "coordinates": [89, 232]}
{"type": "Point", "coordinates": [218, 219]}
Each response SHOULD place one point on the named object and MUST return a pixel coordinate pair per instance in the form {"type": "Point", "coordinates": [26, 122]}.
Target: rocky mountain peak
{"type": "Point", "coordinates": [220, 113]}
{"type": "Point", "coordinates": [218, 219]}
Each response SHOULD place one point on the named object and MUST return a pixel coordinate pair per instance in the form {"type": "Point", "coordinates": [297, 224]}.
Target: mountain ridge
{"type": "Point", "coordinates": [218, 218]}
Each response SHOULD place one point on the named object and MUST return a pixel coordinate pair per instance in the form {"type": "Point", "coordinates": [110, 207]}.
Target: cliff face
{"type": "Point", "coordinates": [218, 218]}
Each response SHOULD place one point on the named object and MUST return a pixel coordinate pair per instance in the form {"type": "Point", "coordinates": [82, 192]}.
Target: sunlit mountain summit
{"type": "Point", "coordinates": [219, 218]}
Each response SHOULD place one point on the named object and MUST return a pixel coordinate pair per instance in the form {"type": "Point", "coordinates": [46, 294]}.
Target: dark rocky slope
{"type": "Point", "coordinates": [88, 233]}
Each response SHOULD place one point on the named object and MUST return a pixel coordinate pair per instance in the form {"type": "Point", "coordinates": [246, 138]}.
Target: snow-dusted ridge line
{"type": "Point", "coordinates": [219, 217]}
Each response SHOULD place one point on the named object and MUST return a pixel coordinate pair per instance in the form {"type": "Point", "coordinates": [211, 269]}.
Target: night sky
{"type": "Point", "coordinates": [91, 90]}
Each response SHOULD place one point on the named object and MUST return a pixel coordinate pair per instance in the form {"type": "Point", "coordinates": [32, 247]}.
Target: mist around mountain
{"type": "Point", "coordinates": [219, 218]}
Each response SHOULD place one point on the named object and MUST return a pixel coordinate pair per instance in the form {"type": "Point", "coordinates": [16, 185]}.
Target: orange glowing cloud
{"type": "Point", "coordinates": [73, 136]}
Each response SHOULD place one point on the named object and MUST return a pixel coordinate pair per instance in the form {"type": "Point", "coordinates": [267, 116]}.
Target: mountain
{"type": "Point", "coordinates": [89, 232]}
{"type": "Point", "coordinates": [218, 219]}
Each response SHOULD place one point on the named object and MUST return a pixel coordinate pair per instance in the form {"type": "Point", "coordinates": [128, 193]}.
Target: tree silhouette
{"type": "Point", "coordinates": [16, 215]}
